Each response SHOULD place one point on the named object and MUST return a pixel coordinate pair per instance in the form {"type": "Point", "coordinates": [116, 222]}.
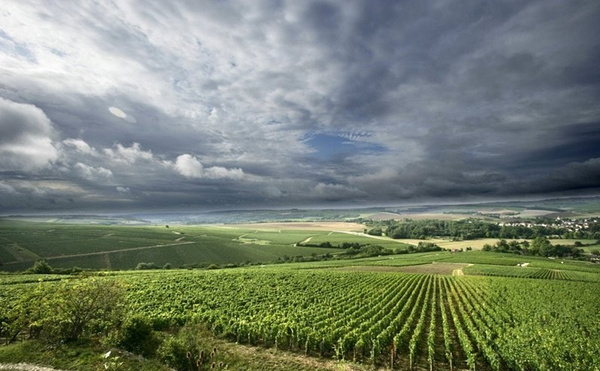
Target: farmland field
{"type": "Point", "coordinates": [437, 310]}
{"type": "Point", "coordinates": [99, 246]}
{"type": "Point", "coordinates": [123, 247]}
{"type": "Point", "coordinates": [369, 315]}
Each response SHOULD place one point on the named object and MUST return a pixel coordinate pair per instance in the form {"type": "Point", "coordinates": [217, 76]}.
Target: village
{"type": "Point", "coordinates": [571, 225]}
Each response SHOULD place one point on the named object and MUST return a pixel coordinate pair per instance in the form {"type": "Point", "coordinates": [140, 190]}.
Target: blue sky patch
{"type": "Point", "coordinates": [340, 145]}
{"type": "Point", "coordinates": [10, 46]}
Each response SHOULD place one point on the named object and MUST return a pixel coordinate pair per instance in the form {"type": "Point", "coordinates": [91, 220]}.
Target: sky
{"type": "Point", "coordinates": [224, 104]}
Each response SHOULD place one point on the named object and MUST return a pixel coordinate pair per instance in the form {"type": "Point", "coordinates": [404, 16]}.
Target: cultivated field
{"type": "Point", "coordinates": [303, 226]}
{"type": "Point", "coordinates": [123, 247]}
{"type": "Point", "coordinates": [409, 311]}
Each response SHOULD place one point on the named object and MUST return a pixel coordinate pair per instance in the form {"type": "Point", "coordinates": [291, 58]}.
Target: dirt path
{"type": "Point", "coordinates": [459, 271]}
{"type": "Point", "coordinates": [274, 359]}
{"type": "Point", "coordinates": [306, 240]}
{"type": "Point", "coordinates": [109, 252]}
{"type": "Point", "coordinates": [24, 367]}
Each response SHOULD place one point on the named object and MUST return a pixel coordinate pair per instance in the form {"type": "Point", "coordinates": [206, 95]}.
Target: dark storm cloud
{"type": "Point", "coordinates": [224, 104]}
{"type": "Point", "coordinates": [575, 143]}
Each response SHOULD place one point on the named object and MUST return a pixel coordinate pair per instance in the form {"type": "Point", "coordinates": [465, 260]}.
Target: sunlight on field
{"type": "Point", "coordinates": [433, 268]}
{"type": "Point", "coordinates": [307, 226]}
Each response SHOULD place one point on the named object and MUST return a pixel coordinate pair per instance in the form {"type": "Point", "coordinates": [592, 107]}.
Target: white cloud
{"type": "Point", "coordinates": [25, 137]}
{"type": "Point", "coordinates": [123, 189]}
{"type": "Point", "coordinates": [218, 172]}
{"type": "Point", "coordinates": [117, 112]}
{"type": "Point", "coordinates": [128, 155]}
{"type": "Point", "coordinates": [189, 166]}
{"type": "Point", "coordinates": [92, 173]}
{"type": "Point", "coordinates": [81, 146]}
{"type": "Point", "coordinates": [6, 188]}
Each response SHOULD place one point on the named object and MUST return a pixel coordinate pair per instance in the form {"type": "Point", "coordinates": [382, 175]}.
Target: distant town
{"type": "Point", "coordinates": [571, 225]}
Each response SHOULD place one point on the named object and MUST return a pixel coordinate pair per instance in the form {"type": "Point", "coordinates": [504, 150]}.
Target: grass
{"type": "Point", "coordinates": [80, 356]}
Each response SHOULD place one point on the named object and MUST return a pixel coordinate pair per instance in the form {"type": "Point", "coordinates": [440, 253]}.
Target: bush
{"type": "Point", "coordinates": [142, 266]}
{"type": "Point", "coordinates": [375, 232]}
{"type": "Point", "coordinates": [19, 316]}
{"type": "Point", "coordinates": [173, 351]}
{"type": "Point", "coordinates": [137, 336]}
{"type": "Point", "coordinates": [89, 306]}
{"type": "Point", "coordinates": [191, 349]}
{"type": "Point", "coordinates": [40, 267]}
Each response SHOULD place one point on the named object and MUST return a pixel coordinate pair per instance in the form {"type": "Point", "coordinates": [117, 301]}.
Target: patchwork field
{"type": "Point", "coordinates": [123, 247]}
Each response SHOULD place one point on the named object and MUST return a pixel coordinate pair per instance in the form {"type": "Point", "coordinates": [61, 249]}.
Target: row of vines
{"type": "Point", "coordinates": [399, 321]}
{"type": "Point", "coordinates": [530, 272]}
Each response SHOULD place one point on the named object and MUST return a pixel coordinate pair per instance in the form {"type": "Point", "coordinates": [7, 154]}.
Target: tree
{"type": "Point", "coordinates": [40, 267]}
{"type": "Point", "coordinates": [375, 232]}
{"type": "Point", "coordinates": [541, 246]}
{"type": "Point", "coordinates": [143, 266]}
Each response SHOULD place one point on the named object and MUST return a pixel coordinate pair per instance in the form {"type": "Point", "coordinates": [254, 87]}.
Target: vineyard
{"type": "Point", "coordinates": [527, 272]}
{"type": "Point", "coordinates": [542, 316]}
{"type": "Point", "coordinates": [397, 321]}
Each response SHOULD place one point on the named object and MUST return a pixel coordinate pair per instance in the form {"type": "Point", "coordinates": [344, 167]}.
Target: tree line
{"type": "Point", "coordinates": [540, 246]}
{"type": "Point", "coordinates": [472, 229]}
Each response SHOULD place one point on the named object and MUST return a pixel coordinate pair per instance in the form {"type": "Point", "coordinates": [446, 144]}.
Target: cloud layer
{"type": "Point", "coordinates": [133, 105]}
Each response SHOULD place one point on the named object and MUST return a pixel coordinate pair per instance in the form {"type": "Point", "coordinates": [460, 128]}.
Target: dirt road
{"type": "Point", "coordinates": [108, 252]}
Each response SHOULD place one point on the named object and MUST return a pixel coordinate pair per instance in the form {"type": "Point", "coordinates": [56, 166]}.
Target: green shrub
{"type": "Point", "coordinates": [137, 336]}
{"type": "Point", "coordinates": [191, 349]}
{"type": "Point", "coordinates": [40, 267]}
{"type": "Point", "coordinates": [174, 352]}
{"type": "Point", "coordinates": [65, 312]}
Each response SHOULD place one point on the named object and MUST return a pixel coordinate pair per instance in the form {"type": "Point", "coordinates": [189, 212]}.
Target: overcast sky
{"type": "Point", "coordinates": [130, 105]}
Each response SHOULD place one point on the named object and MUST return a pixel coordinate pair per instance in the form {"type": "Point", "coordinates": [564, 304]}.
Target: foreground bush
{"type": "Point", "coordinates": [137, 336]}
{"type": "Point", "coordinates": [190, 349]}
{"type": "Point", "coordinates": [65, 312]}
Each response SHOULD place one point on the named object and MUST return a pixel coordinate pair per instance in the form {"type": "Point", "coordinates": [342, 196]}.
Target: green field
{"type": "Point", "coordinates": [96, 246]}
{"type": "Point", "coordinates": [123, 247]}
{"type": "Point", "coordinates": [370, 311]}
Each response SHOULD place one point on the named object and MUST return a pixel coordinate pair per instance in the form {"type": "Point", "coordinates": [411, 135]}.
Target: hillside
{"type": "Point", "coordinates": [476, 309]}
